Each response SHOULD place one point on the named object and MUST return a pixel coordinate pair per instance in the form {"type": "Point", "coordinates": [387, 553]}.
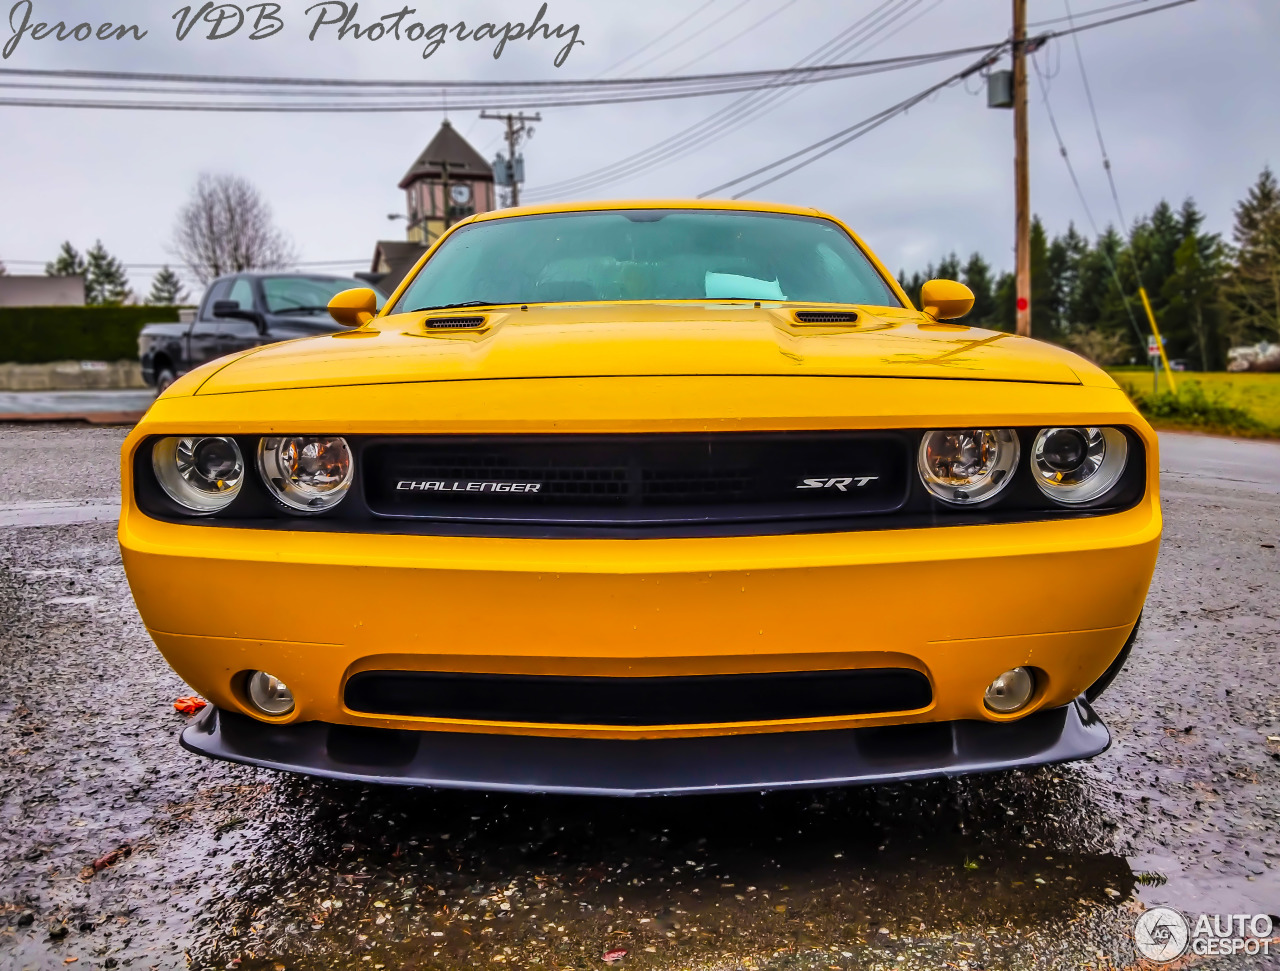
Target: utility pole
{"type": "Point", "coordinates": [517, 128]}
{"type": "Point", "coordinates": [1022, 178]}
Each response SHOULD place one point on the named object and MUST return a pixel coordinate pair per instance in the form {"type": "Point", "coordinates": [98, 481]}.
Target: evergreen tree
{"type": "Point", "coordinates": [948, 268]}
{"type": "Point", "coordinates": [1086, 295]}
{"type": "Point", "coordinates": [977, 276]}
{"type": "Point", "coordinates": [167, 289]}
{"type": "Point", "coordinates": [1065, 257]}
{"type": "Point", "coordinates": [68, 263]}
{"type": "Point", "coordinates": [1192, 294]}
{"type": "Point", "coordinates": [912, 284]}
{"type": "Point", "coordinates": [1153, 242]}
{"type": "Point", "coordinates": [106, 282]}
{"type": "Point", "coordinates": [1006, 303]}
{"type": "Point", "coordinates": [1252, 288]}
{"type": "Point", "coordinates": [1099, 303]}
{"type": "Point", "coordinates": [1043, 322]}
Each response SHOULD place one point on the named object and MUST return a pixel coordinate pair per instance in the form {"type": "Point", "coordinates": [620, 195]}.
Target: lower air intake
{"type": "Point", "coordinates": [698, 699]}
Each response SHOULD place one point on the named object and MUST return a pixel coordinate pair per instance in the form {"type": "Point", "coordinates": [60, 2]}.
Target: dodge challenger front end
{"type": "Point", "coordinates": [644, 498]}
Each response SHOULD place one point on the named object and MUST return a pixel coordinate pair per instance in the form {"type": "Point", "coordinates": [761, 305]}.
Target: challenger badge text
{"type": "Point", "coordinates": [438, 485]}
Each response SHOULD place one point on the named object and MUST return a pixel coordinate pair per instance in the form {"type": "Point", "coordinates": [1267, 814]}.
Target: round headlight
{"type": "Point", "coordinates": [968, 465]}
{"type": "Point", "coordinates": [200, 473]}
{"type": "Point", "coordinates": [307, 473]}
{"type": "Point", "coordinates": [1078, 464]}
{"type": "Point", "coordinates": [269, 694]}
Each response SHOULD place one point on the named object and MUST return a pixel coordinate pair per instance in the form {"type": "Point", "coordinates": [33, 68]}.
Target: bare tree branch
{"type": "Point", "coordinates": [226, 227]}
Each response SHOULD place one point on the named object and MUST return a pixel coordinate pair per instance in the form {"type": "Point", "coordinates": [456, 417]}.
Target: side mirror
{"type": "Point", "coordinates": [945, 299]}
{"type": "Point", "coordinates": [355, 307]}
{"type": "Point", "coordinates": [232, 308]}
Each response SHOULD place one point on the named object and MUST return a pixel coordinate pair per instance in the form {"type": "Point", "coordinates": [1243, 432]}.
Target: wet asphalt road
{"type": "Point", "coordinates": [201, 864]}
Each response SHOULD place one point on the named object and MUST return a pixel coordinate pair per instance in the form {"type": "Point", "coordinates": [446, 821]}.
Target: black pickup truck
{"type": "Point", "coordinates": [240, 311]}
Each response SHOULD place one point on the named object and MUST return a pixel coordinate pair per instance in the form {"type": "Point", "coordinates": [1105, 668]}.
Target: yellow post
{"type": "Point", "coordinates": [1151, 318]}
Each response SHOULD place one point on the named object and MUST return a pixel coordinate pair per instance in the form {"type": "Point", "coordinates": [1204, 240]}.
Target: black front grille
{"type": "Point", "coordinates": [693, 700]}
{"type": "Point", "coordinates": [639, 479]}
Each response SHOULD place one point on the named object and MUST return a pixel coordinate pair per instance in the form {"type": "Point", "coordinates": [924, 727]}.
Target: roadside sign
{"type": "Point", "coordinates": [1153, 346]}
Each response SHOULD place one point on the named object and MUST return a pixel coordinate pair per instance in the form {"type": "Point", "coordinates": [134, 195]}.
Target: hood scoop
{"type": "Point", "coordinates": [826, 317]}
{"type": "Point", "coordinates": [469, 322]}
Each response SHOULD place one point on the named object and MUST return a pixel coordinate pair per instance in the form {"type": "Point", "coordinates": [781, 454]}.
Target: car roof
{"type": "Point", "coordinates": [268, 274]}
{"type": "Point", "coordinates": [740, 205]}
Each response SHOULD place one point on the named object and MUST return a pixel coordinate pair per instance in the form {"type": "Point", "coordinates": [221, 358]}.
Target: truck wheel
{"type": "Point", "coordinates": [164, 378]}
{"type": "Point", "coordinates": [1092, 693]}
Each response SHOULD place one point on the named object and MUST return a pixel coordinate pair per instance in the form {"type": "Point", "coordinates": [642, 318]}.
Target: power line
{"type": "Point", "coordinates": [668, 32]}
{"type": "Point", "coordinates": [1093, 111]}
{"type": "Point", "coordinates": [854, 131]}
{"type": "Point", "coordinates": [179, 267]}
{"type": "Point", "coordinates": [683, 142]}
{"type": "Point", "coordinates": [1089, 13]}
{"type": "Point", "coordinates": [686, 140]}
{"type": "Point", "coordinates": [735, 114]}
{"type": "Point", "coordinates": [1084, 202]}
{"type": "Point", "coordinates": [428, 86]}
{"type": "Point", "coordinates": [1115, 195]}
{"type": "Point", "coordinates": [691, 37]}
{"type": "Point", "coordinates": [654, 89]}
{"type": "Point", "coordinates": [738, 36]}
{"type": "Point", "coordinates": [803, 68]}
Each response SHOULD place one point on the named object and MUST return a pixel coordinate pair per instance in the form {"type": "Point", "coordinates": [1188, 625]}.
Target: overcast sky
{"type": "Point", "coordinates": [1187, 103]}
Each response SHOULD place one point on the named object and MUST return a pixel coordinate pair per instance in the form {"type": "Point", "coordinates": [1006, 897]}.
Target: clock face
{"type": "Point", "coordinates": [460, 194]}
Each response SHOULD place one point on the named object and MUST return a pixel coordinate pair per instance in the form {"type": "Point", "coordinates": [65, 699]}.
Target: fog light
{"type": "Point", "coordinates": [1010, 692]}
{"type": "Point", "coordinates": [269, 694]}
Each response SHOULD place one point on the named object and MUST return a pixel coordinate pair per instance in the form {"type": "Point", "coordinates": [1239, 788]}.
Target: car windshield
{"type": "Point", "coordinates": [310, 293]}
{"type": "Point", "coordinates": [647, 254]}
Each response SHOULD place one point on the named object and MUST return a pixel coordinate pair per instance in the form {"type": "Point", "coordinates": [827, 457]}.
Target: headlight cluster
{"type": "Point", "coordinates": [1078, 464]}
{"type": "Point", "coordinates": [306, 474]}
{"type": "Point", "coordinates": [204, 474]}
{"type": "Point", "coordinates": [968, 465]}
{"type": "Point", "coordinates": [965, 466]}
{"type": "Point", "coordinates": [200, 474]}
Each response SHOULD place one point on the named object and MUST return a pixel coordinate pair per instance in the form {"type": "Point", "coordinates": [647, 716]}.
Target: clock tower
{"type": "Point", "coordinates": [449, 182]}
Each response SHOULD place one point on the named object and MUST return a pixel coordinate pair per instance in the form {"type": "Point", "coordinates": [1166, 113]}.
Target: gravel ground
{"type": "Point", "coordinates": [117, 849]}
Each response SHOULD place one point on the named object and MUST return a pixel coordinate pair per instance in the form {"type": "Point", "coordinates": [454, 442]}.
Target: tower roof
{"type": "Point", "coordinates": [448, 146]}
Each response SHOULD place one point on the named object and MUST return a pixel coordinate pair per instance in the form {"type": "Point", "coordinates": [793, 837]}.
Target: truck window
{"type": "Point", "coordinates": [242, 293]}
{"type": "Point", "coordinates": [217, 291]}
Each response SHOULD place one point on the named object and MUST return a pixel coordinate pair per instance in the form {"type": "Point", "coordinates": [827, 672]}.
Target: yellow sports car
{"type": "Point", "coordinates": [644, 497]}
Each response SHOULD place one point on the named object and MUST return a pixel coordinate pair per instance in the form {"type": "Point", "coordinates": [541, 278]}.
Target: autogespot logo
{"type": "Point", "coordinates": [1161, 934]}
{"type": "Point", "coordinates": [1164, 935]}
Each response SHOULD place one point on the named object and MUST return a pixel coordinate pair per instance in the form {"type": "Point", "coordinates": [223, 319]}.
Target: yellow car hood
{"type": "Point", "coordinates": [593, 340]}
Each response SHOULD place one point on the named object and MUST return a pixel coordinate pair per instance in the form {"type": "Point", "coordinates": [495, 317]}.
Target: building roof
{"type": "Point", "coordinates": [394, 259]}
{"type": "Point", "coordinates": [465, 163]}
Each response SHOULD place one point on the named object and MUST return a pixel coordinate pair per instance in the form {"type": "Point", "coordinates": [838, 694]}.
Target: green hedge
{"type": "Point", "coordinates": [36, 335]}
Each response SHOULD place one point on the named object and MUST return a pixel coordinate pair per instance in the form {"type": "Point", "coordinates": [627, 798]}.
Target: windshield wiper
{"type": "Point", "coordinates": [301, 310]}
{"type": "Point", "coordinates": [456, 306]}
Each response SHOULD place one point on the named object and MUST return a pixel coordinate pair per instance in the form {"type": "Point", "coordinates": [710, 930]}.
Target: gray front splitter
{"type": "Point", "coordinates": [649, 767]}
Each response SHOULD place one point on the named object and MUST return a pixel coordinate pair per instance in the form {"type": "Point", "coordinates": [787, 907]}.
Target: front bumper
{"type": "Point", "coordinates": [650, 767]}
{"type": "Point", "coordinates": [957, 604]}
